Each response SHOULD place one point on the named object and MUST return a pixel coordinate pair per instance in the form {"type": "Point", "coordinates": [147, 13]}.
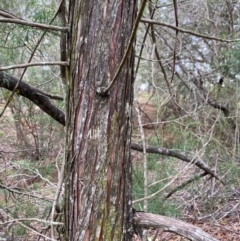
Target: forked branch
{"type": "Point", "coordinates": [38, 97]}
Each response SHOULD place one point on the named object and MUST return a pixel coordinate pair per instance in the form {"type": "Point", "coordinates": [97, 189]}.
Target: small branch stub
{"type": "Point", "coordinates": [102, 91]}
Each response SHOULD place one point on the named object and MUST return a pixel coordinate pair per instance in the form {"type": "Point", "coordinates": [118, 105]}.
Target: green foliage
{"type": "Point", "coordinates": [34, 138]}
{"type": "Point", "coordinates": [21, 206]}
{"type": "Point", "coordinates": [190, 125]}
{"type": "Point", "coordinates": [34, 168]}
{"type": "Point", "coordinates": [156, 204]}
{"type": "Point", "coordinates": [230, 61]}
{"type": "Point", "coordinates": [158, 170]}
{"type": "Point", "coordinates": [231, 167]}
{"type": "Point", "coordinates": [23, 210]}
{"type": "Point", "coordinates": [19, 230]}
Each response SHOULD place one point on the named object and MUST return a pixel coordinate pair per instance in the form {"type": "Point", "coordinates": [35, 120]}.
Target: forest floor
{"type": "Point", "coordinates": [223, 224]}
{"type": "Point", "coordinates": [228, 229]}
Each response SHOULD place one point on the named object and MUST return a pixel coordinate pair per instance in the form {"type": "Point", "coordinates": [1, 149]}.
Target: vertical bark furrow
{"type": "Point", "coordinates": [98, 168]}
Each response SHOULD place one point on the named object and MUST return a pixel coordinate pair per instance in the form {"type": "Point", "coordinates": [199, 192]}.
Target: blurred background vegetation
{"type": "Point", "coordinates": [196, 114]}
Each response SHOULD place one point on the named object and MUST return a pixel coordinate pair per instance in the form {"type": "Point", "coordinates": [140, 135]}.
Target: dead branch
{"type": "Point", "coordinates": [214, 104]}
{"type": "Point", "coordinates": [32, 24]}
{"type": "Point", "coordinates": [154, 221]}
{"type": "Point", "coordinates": [19, 192]}
{"type": "Point", "coordinates": [184, 184]}
{"type": "Point", "coordinates": [168, 152]}
{"type": "Point", "coordinates": [35, 95]}
{"type": "Point", "coordinates": [17, 66]}
{"type": "Point", "coordinates": [145, 20]}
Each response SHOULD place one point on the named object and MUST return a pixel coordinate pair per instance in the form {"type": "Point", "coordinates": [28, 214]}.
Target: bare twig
{"type": "Point", "coordinates": [33, 24]}
{"type": "Point", "coordinates": [30, 59]}
{"type": "Point", "coordinates": [168, 152]}
{"type": "Point", "coordinates": [58, 191]}
{"type": "Point", "coordinates": [6, 14]}
{"type": "Point", "coordinates": [181, 186]}
{"type": "Point", "coordinates": [18, 66]}
{"type": "Point", "coordinates": [145, 171]}
{"type": "Point", "coordinates": [145, 20]}
{"type": "Point", "coordinates": [16, 191]}
{"type": "Point", "coordinates": [27, 227]}
{"type": "Point", "coordinates": [129, 47]}
{"type": "Point", "coordinates": [144, 38]}
{"type": "Point", "coordinates": [32, 220]}
{"type": "Point", "coordinates": [176, 39]}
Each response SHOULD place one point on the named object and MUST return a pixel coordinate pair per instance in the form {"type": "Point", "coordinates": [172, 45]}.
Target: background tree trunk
{"type": "Point", "coordinates": [98, 169]}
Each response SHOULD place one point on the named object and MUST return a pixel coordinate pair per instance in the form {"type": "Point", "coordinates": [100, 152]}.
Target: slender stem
{"type": "Point", "coordinates": [129, 47]}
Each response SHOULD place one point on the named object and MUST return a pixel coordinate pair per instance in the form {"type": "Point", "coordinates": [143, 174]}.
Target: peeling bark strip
{"type": "Point", "coordinates": [98, 169]}
{"type": "Point", "coordinates": [148, 220]}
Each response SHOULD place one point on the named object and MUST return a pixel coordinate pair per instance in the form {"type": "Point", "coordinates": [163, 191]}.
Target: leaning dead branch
{"type": "Point", "coordinates": [184, 184]}
{"type": "Point", "coordinates": [167, 152]}
{"type": "Point", "coordinates": [154, 221]}
{"type": "Point", "coordinates": [38, 97]}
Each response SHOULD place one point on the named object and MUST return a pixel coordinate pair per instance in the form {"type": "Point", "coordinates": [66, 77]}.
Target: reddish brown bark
{"type": "Point", "coordinates": [98, 171]}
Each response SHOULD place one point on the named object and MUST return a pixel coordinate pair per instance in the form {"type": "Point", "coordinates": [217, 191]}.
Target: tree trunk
{"type": "Point", "coordinates": [98, 168]}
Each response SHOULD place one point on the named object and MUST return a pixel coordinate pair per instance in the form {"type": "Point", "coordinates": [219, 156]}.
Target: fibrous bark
{"type": "Point", "coordinates": [98, 171]}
